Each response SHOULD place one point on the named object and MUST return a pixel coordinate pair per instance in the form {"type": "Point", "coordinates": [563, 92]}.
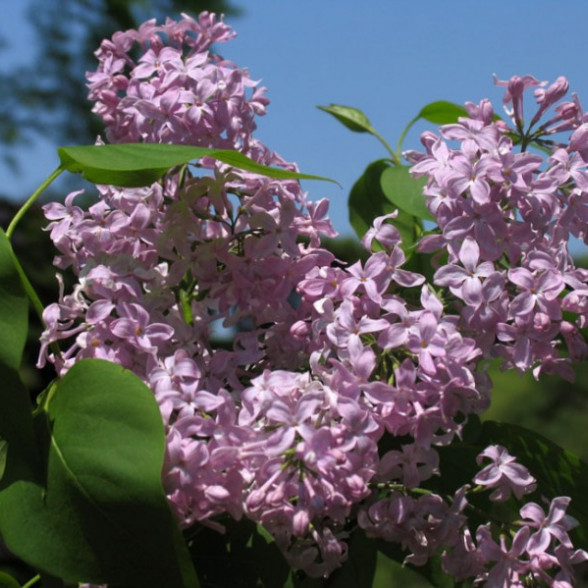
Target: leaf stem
{"type": "Point", "coordinates": [32, 581]}
{"type": "Point", "coordinates": [395, 159]}
{"type": "Point", "coordinates": [18, 216]}
{"type": "Point", "coordinates": [398, 154]}
{"type": "Point", "coordinates": [34, 299]}
{"type": "Point", "coordinates": [26, 284]}
{"type": "Point", "coordinates": [28, 287]}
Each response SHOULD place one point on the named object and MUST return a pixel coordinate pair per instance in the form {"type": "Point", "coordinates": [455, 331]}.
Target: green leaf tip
{"type": "Point", "coordinates": [353, 118]}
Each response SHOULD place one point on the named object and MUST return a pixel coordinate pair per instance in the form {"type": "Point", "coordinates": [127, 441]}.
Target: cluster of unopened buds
{"type": "Point", "coordinates": [281, 422]}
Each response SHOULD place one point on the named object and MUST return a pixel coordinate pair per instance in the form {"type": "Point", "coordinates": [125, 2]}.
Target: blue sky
{"type": "Point", "coordinates": [387, 57]}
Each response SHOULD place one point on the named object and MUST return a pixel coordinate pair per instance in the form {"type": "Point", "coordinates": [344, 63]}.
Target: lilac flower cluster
{"type": "Point", "coordinates": [505, 217]}
{"type": "Point", "coordinates": [285, 422]}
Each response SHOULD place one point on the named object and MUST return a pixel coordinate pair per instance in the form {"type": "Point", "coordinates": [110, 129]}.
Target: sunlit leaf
{"type": "Point", "coordinates": [353, 118]}
{"type": "Point", "coordinates": [141, 164]}
{"type": "Point", "coordinates": [442, 112]}
{"type": "Point", "coordinates": [405, 192]}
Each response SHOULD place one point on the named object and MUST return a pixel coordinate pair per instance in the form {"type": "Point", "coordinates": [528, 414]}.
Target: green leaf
{"type": "Point", "coordinates": [431, 571]}
{"type": "Point", "coordinates": [141, 164]}
{"type": "Point", "coordinates": [19, 452]}
{"type": "Point", "coordinates": [360, 567]}
{"type": "Point", "coordinates": [354, 119]}
{"type": "Point", "coordinates": [405, 192]}
{"type": "Point", "coordinates": [442, 112]}
{"type": "Point", "coordinates": [7, 581]}
{"type": "Point", "coordinates": [13, 308]}
{"type": "Point", "coordinates": [102, 515]}
{"type": "Point", "coordinates": [245, 555]}
{"type": "Point", "coordinates": [16, 423]}
{"type": "Point", "coordinates": [368, 201]}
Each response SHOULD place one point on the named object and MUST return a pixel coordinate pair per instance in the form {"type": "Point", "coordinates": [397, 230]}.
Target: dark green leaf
{"type": "Point", "coordinates": [141, 164]}
{"type": "Point", "coordinates": [408, 227]}
{"type": "Point", "coordinates": [367, 201]}
{"type": "Point", "coordinates": [359, 569]}
{"type": "Point", "coordinates": [17, 430]}
{"type": "Point", "coordinates": [244, 556]}
{"type": "Point", "coordinates": [353, 118]}
{"type": "Point", "coordinates": [442, 112]}
{"type": "Point", "coordinates": [102, 515]}
{"type": "Point", "coordinates": [431, 570]}
{"type": "Point", "coordinates": [7, 581]}
{"type": "Point", "coordinates": [273, 568]}
{"type": "Point", "coordinates": [16, 424]}
{"type": "Point", "coordinates": [13, 308]}
{"type": "Point", "coordinates": [405, 192]}
{"type": "Point", "coordinates": [48, 581]}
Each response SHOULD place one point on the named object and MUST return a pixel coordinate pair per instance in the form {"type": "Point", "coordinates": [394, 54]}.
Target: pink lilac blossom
{"type": "Point", "coordinates": [504, 474]}
{"type": "Point", "coordinates": [505, 220]}
{"type": "Point", "coordinates": [281, 424]}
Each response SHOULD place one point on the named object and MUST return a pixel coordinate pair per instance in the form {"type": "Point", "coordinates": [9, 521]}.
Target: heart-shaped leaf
{"type": "Point", "coordinates": [101, 515]}
{"type": "Point", "coordinates": [367, 201]}
{"type": "Point", "coordinates": [405, 192]}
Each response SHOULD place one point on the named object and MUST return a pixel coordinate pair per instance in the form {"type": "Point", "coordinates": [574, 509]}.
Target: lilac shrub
{"type": "Point", "coordinates": [284, 423]}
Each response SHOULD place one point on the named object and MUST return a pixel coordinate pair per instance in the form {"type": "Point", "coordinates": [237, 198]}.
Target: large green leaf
{"type": "Point", "coordinates": [368, 201]}
{"type": "Point", "coordinates": [101, 515]}
{"type": "Point", "coordinates": [13, 308]}
{"type": "Point", "coordinates": [141, 164]}
{"type": "Point", "coordinates": [405, 192]}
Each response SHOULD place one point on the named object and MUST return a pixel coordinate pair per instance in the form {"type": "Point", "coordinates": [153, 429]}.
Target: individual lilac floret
{"type": "Point", "coordinates": [554, 525]}
{"type": "Point", "coordinates": [504, 474]}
